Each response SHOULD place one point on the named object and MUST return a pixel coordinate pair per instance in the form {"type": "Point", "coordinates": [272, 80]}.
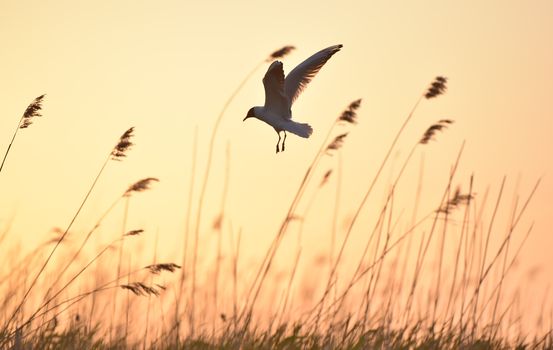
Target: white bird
{"type": "Point", "coordinates": [280, 94]}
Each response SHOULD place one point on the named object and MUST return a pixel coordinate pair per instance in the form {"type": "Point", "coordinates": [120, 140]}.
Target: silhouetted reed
{"type": "Point", "coordinates": [284, 51]}
{"type": "Point", "coordinates": [32, 111]}
{"type": "Point", "coordinates": [123, 146]}
{"type": "Point", "coordinates": [325, 178]}
{"type": "Point", "coordinates": [433, 129]}
{"type": "Point", "coordinates": [157, 268]}
{"type": "Point", "coordinates": [337, 143]}
{"type": "Point", "coordinates": [457, 200]}
{"type": "Point", "coordinates": [350, 114]}
{"type": "Point", "coordinates": [140, 186]}
{"type": "Point", "coordinates": [437, 88]}
{"type": "Point", "coordinates": [133, 233]}
{"type": "Point", "coordinates": [140, 289]}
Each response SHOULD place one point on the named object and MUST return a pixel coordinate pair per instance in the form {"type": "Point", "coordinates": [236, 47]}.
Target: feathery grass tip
{"type": "Point", "coordinates": [457, 200]}
{"type": "Point", "coordinates": [157, 268]}
{"type": "Point", "coordinates": [33, 110]}
{"type": "Point", "coordinates": [140, 186]}
{"type": "Point", "coordinates": [280, 53]}
{"type": "Point", "coordinates": [124, 144]}
{"type": "Point", "coordinates": [133, 232]}
{"type": "Point", "coordinates": [337, 143]}
{"type": "Point", "coordinates": [438, 87]}
{"type": "Point", "coordinates": [350, 114]}
{"type": "Point", "coordinates": [433, 129]}
{"type": "Point", "coordinates": [140, 289]}
{"type": "Point", "coordinates": [326, 176]}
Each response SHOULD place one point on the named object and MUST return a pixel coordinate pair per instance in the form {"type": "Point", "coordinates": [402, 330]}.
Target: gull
{"type": "Point", "coordinates": [280, 94]}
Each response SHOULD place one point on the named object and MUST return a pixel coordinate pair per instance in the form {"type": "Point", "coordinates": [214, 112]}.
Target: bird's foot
{"type": "Point", "coordinates": [277, 149]}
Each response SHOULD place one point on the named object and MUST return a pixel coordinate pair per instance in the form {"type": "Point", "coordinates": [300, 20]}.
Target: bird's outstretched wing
{"type": "Point", "coordinates": [300, 76]}
{"type": "Point", "coordinates": [275, 98]}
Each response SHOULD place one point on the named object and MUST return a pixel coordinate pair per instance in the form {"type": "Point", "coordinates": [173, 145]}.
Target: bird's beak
{"type": "Point", "coordinates": [246, 118]}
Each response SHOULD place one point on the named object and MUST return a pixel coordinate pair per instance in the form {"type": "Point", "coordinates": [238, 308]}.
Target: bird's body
{"type": "Point", "coordinates": [280, 94]}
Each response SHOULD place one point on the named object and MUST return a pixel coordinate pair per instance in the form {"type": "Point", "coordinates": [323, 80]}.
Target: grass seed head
{"type": "Point", "coordinates": [457, 200]}
{"type": "Point", "coordinates": [437, 88]}
{"type": "Point", "coordinates": [133, 233]}
{"type": "Point", "coordinates": [33, 110]}
{"type": "Point", "coordinates": [158, 268]}
{"type": "Point", "coordinates": [326, 176]}
{"type": "Point", "coordinates": [350, 114]}
{"type": "Point", "coordinates": [140, 186]}
{"type": "Point", "coordinates": [124, 144]}
{"type": "Point", "coordinates": [140, 289]}
{"type": "Point", "coordinates": [280, 53]}
{"type": "Point", "coordinates": [337, 143]}
{"type": "Point", "coordinates": [433, 129]}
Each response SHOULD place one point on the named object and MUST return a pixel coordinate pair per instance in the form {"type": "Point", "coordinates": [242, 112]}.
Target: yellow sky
{"type": "Point", "coordinates": [166, 67]}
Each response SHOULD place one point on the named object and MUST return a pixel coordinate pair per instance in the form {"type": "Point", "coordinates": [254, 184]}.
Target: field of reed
{"type": "Point", "coordinates": [413, 280]}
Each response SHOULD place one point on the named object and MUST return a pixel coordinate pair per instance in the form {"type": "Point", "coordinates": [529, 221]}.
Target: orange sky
{"type": "Point", "coordinates": [167, 67]}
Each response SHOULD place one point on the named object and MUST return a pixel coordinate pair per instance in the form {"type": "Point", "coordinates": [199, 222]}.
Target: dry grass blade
{"type": "Point", "coordinates": [124, 144]}
{"type": "Point", "coordinates": [280, 53]}
{"type": "Point", "coordinates": [158, 268]}
{"type": "Point", "coordinates": [33, 110]}
{"type": "Point", "coordinates": [140, 186]}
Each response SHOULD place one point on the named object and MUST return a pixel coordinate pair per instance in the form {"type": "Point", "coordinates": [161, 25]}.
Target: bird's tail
{"type": "Point", "coordinates": [300, 129]}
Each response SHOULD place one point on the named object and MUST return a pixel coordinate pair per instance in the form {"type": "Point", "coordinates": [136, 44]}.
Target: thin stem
{"type": "Point", "coordinates": [187, 229]}
{"type": "Point", "coordinates": [10, 145]}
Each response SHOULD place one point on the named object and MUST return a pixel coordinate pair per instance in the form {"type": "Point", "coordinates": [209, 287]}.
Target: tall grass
{"type": "Point", "coordinates": [438, 280]}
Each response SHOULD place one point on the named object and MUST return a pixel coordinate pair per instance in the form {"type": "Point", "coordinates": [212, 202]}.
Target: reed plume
{"type": "Point", "coordinates": [437, 87]}
{"type": "Point", "coordinates": [337, 143]}
{"type": "Point", "coordinates": [140, 186]}
{"type": "Point", "coordinates": [133, 233]}
{"type": "Point", "coordinates": [457, 200]}
{"type": "Point", "coordinates": [140, 289]}
{"type": "Point", "coordinates": [350, 114]}
{"type": "Point", "coordinates": [285, 50]}
{"type": "Point", "coordinates": [326, 176]}
{"type": "Point", "coordinates": [32, 110]}
{"type": "Point", "coordinates": [157, 268]}
{"type": "Point", "coordinates": [433, 129]}
{"type": "Point", "coordinates": [124, 144]}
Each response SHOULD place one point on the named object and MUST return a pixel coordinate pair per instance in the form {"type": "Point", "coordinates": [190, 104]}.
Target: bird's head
{"type": "Point", "coordinates": [251, 114]}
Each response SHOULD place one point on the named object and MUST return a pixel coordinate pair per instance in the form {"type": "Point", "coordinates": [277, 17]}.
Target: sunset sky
{"type": "Point", "coordinates": [167, 68]}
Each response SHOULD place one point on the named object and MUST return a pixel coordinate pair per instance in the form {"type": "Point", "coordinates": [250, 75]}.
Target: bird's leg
{"type": "Point", "coordinates": [277, 149]}
{"type": "Point", "coordinates": [284, 141]}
